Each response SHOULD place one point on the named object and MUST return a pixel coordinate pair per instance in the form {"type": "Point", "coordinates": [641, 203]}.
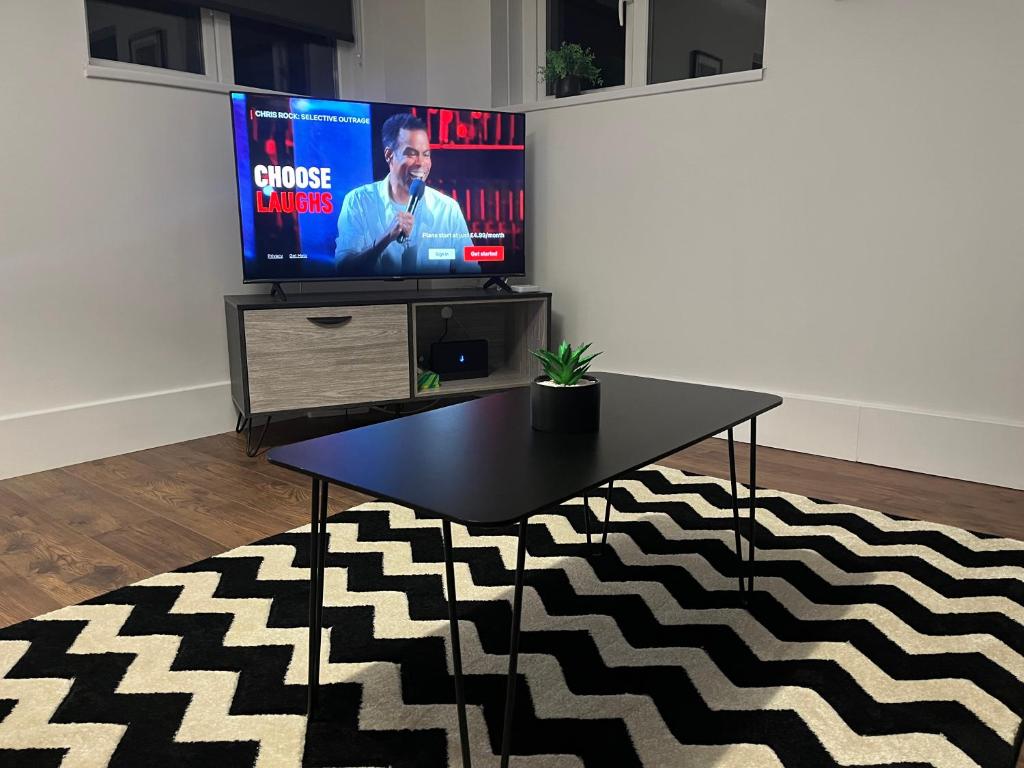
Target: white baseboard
{"type": "Point", "coordinates": [938, 444]}
{"type": "Point", "coordinates": [32, 442]}
{"type": "Point", "coordinates": [979, 450]}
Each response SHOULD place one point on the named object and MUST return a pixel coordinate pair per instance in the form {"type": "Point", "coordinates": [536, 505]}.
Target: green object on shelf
{"type": "Point", "coordinates": [566, 366]}
{"type": "Point", "coordinates": [428, 380]}
{"type": "Point", "coordinates": [570, 60]}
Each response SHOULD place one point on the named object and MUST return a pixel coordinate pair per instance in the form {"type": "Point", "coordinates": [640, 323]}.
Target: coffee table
{"type": "Point", "coordinates": [481, 464]}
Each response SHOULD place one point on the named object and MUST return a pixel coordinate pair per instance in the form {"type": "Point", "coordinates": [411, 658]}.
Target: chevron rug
{"type": "Point", "coordinates": [872, 641]}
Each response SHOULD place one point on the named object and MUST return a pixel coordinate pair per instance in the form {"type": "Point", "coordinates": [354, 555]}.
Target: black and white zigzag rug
{"type": "Point", "coordinates": [872, 641]}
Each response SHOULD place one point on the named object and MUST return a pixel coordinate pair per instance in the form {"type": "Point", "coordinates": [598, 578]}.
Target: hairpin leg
{"type": "Point", "coordinates": [736, 510]}
{"type": "Point", "coordinates": [513, 654]}
{"type": "Point", "coordinates": [607, 513]}
{"type": "Point", "coordinates": [753, 503]}
{"type": "Point", "coordinates": [317, 534]}
{"type": "Point", "coordinates": [453, 624]}
{"type": "Point", "coordinates": [586, 518]}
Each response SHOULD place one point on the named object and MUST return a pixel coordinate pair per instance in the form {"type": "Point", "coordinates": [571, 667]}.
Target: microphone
{"type": "Point", "coordinates": [415, 195]}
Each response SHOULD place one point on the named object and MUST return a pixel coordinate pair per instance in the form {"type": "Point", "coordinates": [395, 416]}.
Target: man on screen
{"type": "Point", "coordinates": [376, 233]}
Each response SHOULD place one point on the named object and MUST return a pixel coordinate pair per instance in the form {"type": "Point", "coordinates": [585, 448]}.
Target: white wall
{"type": "Point", "coordinates": [458, 40]}
{"type": "Point", "coordinates": [119, 237]}
{"type": "Point", "coordinates": [847, 232]}
{"type": "Point", "coordinates": [394, 50]}
{"type": "Point", "coordinates": [435, 52]}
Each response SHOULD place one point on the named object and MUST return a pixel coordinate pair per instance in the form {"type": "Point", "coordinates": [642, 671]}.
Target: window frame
{"type": "Point", "coordinates": [218, 62]}
{"type": "Point", "coordinates": [636, 17]}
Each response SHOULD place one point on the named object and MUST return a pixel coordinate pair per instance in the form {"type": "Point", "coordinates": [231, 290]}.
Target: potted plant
{"type": "Point", "coordinates": [565, 398]}
{"type": "Point", "coordinates": [568, 66]}
{"type": "Point", "coordinates": [428, 380]}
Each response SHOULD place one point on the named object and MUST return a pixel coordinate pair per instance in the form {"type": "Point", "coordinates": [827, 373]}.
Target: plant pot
{"type": "Point", "coordinates": [565, 409]}
{"type": "Point", "coordinates": [567, 86]}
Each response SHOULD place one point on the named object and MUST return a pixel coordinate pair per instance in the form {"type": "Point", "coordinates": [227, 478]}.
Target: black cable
{"type": "Point", "coordinates": [462, 327]}
{"type": "Point", "coordinates": [426, 407]}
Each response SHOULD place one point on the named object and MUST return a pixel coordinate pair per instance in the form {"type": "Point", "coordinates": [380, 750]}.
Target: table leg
{"type": "Point", "coordinates": [736, 511]}
{"type": "Point", "coordinates": [753, 501]}
{"type": "Point", "coordinates": [322, 564]}
{"type": "Point", "coordinates": [607, 513]}
{"type": "Point", "coordinates": [746, 565]}
{"type": "Point", "coordinates": [453, 622]}
{"type": "Point", "coordinates": [315, 594]}
{"type": "Point", "coordinates": [586, 518]}
{"type": "Point", "coordinates": [513, 653]}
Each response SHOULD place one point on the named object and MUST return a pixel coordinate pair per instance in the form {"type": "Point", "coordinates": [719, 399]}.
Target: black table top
{"type": "Point", "coordinates": [481, 463]}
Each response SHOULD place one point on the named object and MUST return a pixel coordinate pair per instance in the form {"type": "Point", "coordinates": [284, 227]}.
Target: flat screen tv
{"type": "Point", "coordinates": [335, 190]}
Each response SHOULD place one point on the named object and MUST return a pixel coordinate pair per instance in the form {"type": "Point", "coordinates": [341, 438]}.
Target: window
{"type": "Point", "coordinates": [281, 59]}
{"type": "Point", "coordinates": [647, 42]}
{"type": "Point", "coordinates": [695, 39]}
{"type": "Point", "coordinates": [154, 34]}
{"type": "Point", "coordinates": [593, 24]}
{"type": "Point", "coordinates": [292, 47]}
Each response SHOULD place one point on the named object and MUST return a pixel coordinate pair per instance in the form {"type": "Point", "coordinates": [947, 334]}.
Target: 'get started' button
{"type": "Point", "coordinates": [483, 253]}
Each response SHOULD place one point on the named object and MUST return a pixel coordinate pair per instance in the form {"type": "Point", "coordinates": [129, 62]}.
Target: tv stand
{"type": "Point", "coordinates": [343, 350]}
{"type": "Point", "coordinates": [498, 281]}
{"type": "Point", "coordinates": [277, 290]}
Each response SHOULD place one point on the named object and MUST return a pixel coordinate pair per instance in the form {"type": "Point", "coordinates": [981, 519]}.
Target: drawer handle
{"type": "Point", "coordinates": [329, 322]}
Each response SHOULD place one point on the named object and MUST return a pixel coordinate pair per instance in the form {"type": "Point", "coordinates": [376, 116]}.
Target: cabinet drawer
{"type": "Point", "coordinates": [307, 358]}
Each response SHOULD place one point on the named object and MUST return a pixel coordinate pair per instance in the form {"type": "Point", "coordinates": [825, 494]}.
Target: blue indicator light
{"type": "Point", "coordinates": [462, 358]}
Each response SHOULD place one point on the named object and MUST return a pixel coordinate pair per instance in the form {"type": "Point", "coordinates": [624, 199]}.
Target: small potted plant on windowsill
{"type": "Point", "coordinates": [568, 67]}
{"type": "Point", "coordinates": [565, 398]}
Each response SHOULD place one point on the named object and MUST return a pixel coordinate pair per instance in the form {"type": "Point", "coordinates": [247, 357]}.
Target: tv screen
{"type": "Point", "coordinates": [332, 189]}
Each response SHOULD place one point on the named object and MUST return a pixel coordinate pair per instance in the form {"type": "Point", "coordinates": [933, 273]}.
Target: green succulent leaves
{"type": "Point", "coordinates": [428, 380]}
{"type": "Point", "coordinates": [566, 366]}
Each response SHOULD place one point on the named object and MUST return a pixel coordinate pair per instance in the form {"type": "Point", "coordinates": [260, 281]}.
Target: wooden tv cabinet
{"type": "Point", "coordinates": [330, 350]}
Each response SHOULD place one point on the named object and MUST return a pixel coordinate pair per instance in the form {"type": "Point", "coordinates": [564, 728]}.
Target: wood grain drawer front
{"type": "Point", "coordinates": [308, 358]}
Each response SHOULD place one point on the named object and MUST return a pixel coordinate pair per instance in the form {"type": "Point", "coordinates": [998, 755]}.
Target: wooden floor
{"type": "Point", "coordinates": [73, 533]}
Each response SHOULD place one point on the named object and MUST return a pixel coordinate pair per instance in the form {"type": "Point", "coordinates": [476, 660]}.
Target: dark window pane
{"type": "Point", "coordinates": [593, 24]}
{"type": "Point", "coordinates": [282, 59]}
{"type": "Point", "coordinates": [694, 38]}
{"type": "Point", "coordinates": [150, 32]}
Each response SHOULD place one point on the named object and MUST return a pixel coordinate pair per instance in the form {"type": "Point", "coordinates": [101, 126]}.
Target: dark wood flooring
{"type": "Point", "coordinates": [70, 534]}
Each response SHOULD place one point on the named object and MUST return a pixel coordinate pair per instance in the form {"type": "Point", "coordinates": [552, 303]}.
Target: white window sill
{"type": "Point", "coordinates": [614, 94]}
{"type": "Point", "coordinates": [135, 73]}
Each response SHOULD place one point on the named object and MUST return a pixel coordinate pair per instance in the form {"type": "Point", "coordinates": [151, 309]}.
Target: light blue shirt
{"type": "Point", "coordinates": [439, 232]}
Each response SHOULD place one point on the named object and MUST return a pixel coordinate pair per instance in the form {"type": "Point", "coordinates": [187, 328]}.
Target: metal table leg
{"type": "Point", "coordinates": [735, 510]}
{"type": "Point", "coordinates": [753, 502]}
{"type": "Point", "coordinates": [513, 653]}
{"type": "Point", "coordinates": [317, 557]}
{"type": "Point", "coordinates": [586, 519]}
{"type": "Point", "coordinates": [513, 656]}
{"type": "Point", "coordinates": [746, 575]}
{"type": "Point", "coordinates": [607, 514]}
{"type": "Point", "coordinates": [453, 623]}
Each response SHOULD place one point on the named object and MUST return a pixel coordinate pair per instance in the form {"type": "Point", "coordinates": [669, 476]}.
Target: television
{"type": "Point", "coordinates": [339, 190]}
